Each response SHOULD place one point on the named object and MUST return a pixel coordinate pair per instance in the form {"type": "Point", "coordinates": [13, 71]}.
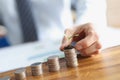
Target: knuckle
{"type": "Point", "coordinates": [77, 48]}
{"type": "Point", "coordinates": [97, 52]}
{"type": "Point", "coordinates": [98, 45]}
{"type": "Point", "coordinates": [92, 32]}
{"type": "Point", "coordinates": [90, 25]}
{"type": "Point", "coordinates": [85, 44]}
{"type": "Point", "coordinates": [82, 52]}
{"type": "Point", "coordinates": [85, 52]}
{"type": "Point", "coordinates": [94, 35]}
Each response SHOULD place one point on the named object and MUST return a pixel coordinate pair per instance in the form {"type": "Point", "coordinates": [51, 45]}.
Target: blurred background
{"type": "Point", "coordinates": [13, 31]}
{"type": "Point", "coordinates": [32, 30]}
{"type": "Point", "coordinates": [113, 13]}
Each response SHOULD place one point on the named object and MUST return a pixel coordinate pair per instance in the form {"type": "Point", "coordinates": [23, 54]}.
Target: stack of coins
{"type": "Point", "coordinates": [5, 78]}
{"type": "Point", "coordinates": [20, 74]}
{"type": "Point", "coordinates": [53, 63]}
{"type": "Point", "coordinates": [71, 57]}
{"type": "Point", "coordinates": [36, 69]}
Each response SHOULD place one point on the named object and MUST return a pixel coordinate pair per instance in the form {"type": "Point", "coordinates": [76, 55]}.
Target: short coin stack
{"type": "Point", "coordinates": [36, 69]}
{"type": "Point", "coordinates": [20, 74]}
{"type": "Point", "coordinates": [71, 57]}
{"type": "Point", "coordinates": [53, 63]}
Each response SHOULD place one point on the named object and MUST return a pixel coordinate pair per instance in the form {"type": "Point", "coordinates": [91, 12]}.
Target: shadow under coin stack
{"type": "Point", "coordinates": [71, 57]}
{"type": "Point", "coordinates": [36, 69]}
{"type": "Point", "coordinates": [20, 74]}
{"type": "Point", "coordinates": [5, 78]}
{"type": "Point", "coordinates": [53, 63]}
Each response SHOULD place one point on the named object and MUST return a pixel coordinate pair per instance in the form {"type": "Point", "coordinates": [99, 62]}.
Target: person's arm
{"type": "Point", "coordinates": [3, 31]}
{"type": "Point", "coordinates": [88, 18]}
{"type": "Point", "coordinates": [87, 40]}
{"type": "Point", "coordinates": [11, 21]}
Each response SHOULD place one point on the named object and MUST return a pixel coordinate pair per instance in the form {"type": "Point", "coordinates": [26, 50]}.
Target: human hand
{"type": "Point", "coordinates": [87, 41]}
{"type": "Point", "coordinates": [3, 31]}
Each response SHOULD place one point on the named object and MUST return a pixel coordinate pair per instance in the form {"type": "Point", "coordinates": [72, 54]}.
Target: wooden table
{"type": "Point", "coordinates": [104, 66]}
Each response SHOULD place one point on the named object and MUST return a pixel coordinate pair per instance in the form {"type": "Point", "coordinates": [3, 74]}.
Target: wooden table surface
{"type": "Point", "coordinates": [104, 66]}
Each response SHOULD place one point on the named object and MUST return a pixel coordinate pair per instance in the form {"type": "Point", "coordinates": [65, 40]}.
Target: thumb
{"type": "Point", "coordinates": [66, 39]}
{"type": "Point", "coordinates": [64, 44]}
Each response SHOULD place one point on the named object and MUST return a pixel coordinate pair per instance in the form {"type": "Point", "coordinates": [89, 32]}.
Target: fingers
{"type": "Point", "coordinates": [93, 49]}
{"type": "Point", "coordinates": [66, 41]}
{"type": "Point", "coordinates": [89, 44]}
{"type": "Point", "coordinates": [87, 41]}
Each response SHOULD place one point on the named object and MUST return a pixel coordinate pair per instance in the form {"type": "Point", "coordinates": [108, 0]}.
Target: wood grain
{"type": "Point", "coordinates": [104, 66]}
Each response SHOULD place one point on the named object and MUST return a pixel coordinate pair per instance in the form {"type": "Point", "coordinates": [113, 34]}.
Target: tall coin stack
{"type": "Point", "coordinates": [36, 69]}
{"type": "Point", "coordinates": [20, 74]}
{"type": "Point", "coordinates": [53, 63]}
{"type": "Point", "coordinates": [71, 57]}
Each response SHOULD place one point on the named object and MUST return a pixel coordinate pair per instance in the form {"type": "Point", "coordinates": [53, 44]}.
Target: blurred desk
{"type": "Point", "coordinates": [25, 54]}
{"type": "Point", "coordinates": [104, 66]}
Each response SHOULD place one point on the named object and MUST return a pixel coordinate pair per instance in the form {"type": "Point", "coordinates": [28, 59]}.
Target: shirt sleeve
{"type": "Point", "coordinates": [93, 11]}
